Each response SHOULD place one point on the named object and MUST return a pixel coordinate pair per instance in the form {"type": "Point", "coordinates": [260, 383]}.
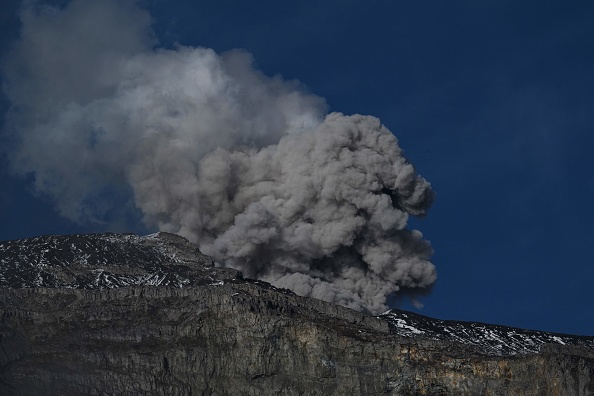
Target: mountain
{"type": "Point", "coordinates": [487, 338]}
{"type": "Point", "coordinates": [122, 314]}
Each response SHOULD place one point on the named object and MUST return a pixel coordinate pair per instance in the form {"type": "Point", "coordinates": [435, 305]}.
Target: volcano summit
{"type": "Point", "coordinates": [122, 314]}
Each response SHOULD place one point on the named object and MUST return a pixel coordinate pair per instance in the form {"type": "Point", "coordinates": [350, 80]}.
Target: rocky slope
{"type": "Point", "coordinates": [121, 314]}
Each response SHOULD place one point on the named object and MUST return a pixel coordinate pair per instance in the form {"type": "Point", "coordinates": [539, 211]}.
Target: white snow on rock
{"type": "Point", "coordinates": [487, 338]}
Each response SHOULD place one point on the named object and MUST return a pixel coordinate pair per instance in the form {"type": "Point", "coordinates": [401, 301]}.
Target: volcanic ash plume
{"type": "Point", "coordinates": [247, 166]}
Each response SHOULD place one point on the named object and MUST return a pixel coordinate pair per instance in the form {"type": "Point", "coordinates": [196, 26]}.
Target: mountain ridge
{"type": "Point", "coordinates": [158, 317]}
{"type": "Point", "coordinates": [142, 260]}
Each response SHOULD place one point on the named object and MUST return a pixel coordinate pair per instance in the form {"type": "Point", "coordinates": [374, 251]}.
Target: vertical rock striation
{"type": "Point", "coordinates": [219, 334]}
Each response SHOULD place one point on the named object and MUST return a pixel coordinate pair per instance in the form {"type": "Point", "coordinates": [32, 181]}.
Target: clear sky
{"type": "Point", "coordinates": [492, 102]}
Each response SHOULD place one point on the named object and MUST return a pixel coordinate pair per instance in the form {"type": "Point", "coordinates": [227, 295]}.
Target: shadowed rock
{"type": "Point", "coordinates": [81, 315]}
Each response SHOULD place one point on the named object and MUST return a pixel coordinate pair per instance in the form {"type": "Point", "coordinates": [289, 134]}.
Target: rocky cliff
{"type": "Point", "coordinates": [126, 315]}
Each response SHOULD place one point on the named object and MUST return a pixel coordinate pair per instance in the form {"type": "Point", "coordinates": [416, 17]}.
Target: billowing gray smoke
{"type": "Point", "coordinates": [248, 166]}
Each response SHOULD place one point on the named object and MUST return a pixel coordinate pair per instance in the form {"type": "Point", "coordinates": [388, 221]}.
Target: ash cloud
{"type": "Point", "coordinates": [250, 167]}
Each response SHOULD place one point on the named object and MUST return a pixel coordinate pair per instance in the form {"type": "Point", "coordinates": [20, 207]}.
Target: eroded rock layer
{"type": "Point", "coordinates": [218, 334]}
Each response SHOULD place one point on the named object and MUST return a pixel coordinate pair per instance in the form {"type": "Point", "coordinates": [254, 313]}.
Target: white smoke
{"type": "Point", "coordinates": [247, 166]}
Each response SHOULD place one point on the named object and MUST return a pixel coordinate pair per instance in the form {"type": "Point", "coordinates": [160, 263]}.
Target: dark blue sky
{"type": "Point", "coordinates": [492, 101]}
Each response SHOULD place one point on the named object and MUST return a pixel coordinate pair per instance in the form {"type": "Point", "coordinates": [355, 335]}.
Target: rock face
{"type": "Point", "coordinates": [151, 315]}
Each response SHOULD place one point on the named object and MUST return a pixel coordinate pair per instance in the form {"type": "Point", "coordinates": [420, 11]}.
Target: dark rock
{"type": "Point", "coordinates": [218, 334]}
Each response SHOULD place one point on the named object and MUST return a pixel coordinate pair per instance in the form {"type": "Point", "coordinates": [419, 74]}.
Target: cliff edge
{"type": "Point", "coordinates": [121, 314]}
